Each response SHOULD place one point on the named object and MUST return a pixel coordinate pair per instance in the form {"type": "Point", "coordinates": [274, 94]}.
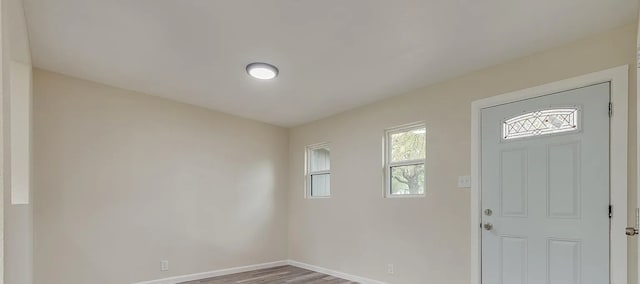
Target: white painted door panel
{"type": "Point", "coordinates": [548, 193]}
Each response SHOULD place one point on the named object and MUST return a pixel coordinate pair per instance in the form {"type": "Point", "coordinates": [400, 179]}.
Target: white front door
{"type": "Point", "coordinates": [545, 189]}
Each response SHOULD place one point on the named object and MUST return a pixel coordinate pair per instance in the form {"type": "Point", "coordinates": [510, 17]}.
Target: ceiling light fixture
{"type": "Point", "coordinates": [262, 71]}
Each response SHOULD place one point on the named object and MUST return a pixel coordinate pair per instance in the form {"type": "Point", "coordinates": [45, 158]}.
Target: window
{"type": "Point", "coordinates": [405, 154]}
{"type": "Point", "coordinates": [542, 122]}
{"type": "Point", "coordinates": [318, 171]}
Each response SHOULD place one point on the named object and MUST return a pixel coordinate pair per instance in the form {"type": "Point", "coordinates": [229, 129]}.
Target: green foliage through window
{"type": "Point", "coordinates": [406, 162]}
{"type": "Point", "coordinates": [407, 146]}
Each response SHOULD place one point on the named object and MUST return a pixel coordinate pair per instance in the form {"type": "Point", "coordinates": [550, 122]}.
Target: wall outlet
{"type": "Point", "coordinates": [164, 265]}
{"type": "Point", "coordinates": [464, 182]}
{"type": "Point", "coordinates": [390, 269]}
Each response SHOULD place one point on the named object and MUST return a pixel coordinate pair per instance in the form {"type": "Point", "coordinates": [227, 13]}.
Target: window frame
{"type": "Point", "coordinates": [308, 173]}
{"type": "Point", "coordinates": [389, 165]}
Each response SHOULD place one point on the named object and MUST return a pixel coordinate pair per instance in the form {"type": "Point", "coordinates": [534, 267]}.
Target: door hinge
{"type": "Point", "coordinates": [610, 211]}
{"type": "Point", "coordinates": [610, 109]}
{"type": "Point", "coordinates": [633, 231]}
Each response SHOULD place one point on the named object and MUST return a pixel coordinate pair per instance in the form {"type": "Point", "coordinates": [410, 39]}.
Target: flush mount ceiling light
{"type": "Point", "coordinates": [262, 71]}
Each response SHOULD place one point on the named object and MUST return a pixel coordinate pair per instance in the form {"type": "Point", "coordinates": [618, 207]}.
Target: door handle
{"type": "Point", "coordinates": [488, 226]}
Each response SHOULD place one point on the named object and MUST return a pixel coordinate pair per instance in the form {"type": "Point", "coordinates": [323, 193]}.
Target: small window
{"type": "Point", "coordinates": [318, 171]}
{"type": "Point", "coordinates": [542, 122]}
{"type": "Point", "coordinates": [405, 154]}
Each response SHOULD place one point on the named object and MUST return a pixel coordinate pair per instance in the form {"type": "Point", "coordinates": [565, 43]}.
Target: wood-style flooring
{"type": "Point", "coordinates": [277, 275]}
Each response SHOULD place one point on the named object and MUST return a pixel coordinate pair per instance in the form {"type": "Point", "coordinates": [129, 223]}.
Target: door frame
{"type": "Point", "coordinates": [618, 138]}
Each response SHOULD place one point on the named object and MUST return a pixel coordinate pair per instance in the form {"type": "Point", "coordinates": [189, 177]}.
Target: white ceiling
{"type": "Point", "coordinates": [333, 55]}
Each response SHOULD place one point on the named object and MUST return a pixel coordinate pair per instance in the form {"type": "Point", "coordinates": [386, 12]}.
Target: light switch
{"type": "Point", "coordinates": [464, 182]}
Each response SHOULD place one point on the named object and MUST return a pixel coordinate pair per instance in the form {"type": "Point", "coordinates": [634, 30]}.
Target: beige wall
{"type": "Point", "coordinates": [357, 231]}
{"type": "Point", "coordinates": [124, 180]}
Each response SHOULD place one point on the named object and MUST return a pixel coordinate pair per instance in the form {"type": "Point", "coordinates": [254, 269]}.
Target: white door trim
{"type": "Point", "coordinates": [618, 77]}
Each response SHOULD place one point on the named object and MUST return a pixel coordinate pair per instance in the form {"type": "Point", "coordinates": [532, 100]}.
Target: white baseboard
{"type": "Point", "coordinates": [215, 273]}
{"type": "Point", "coordinates": [338, 274]}
{"type": "Point", "coordinates": [233, 270]}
